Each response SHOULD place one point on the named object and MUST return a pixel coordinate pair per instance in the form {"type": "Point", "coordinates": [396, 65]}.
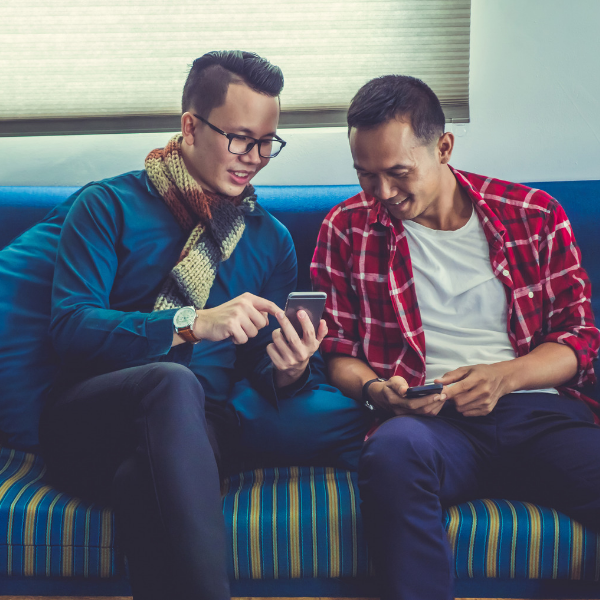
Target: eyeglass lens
{"type": "Point", "coordinates": [243, 145]}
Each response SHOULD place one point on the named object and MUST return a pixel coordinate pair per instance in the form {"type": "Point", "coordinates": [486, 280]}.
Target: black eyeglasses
{"type": "Point", "coordinates": [242, 144]}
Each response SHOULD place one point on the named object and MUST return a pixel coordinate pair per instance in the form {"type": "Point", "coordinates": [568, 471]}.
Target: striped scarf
{"type": "Point", "coordinates": [215, 222]}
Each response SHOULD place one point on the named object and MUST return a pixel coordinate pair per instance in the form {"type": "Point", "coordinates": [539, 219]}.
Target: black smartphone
{"type": "Point", "coordinates": [424, 390]}
{"type": "Point", "coordinates": [311, 302]}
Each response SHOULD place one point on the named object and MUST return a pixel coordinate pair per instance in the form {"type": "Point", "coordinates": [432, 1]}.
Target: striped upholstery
{"type": "Point", "coordinates": [295, 522]}
{"type": "Point", "coordinates": [44, 532]}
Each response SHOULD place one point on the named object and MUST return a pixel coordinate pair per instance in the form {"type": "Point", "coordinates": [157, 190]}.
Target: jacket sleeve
{"type": "Point", "coordinates": [566, 289]}
{"type": "Point", "coordinates": [331, 272]}
{"type": "Point", "coordinates": [253, 360]}
{"type": "Point", "coordinates": [83, 327]}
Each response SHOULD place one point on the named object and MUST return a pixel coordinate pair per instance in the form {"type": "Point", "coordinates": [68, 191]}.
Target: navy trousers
{"type": "Point", "coordinates": [316, 427]}
{"type": "Point", "coordinates": [145, 440]}
{"type": "Point", "coordinates": [534, 447]}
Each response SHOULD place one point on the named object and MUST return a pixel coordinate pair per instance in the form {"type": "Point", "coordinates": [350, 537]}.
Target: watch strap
{"type": "Point", "coordinates": [188, 335]}
{"type": "Point", "coordinates": [365, 394]}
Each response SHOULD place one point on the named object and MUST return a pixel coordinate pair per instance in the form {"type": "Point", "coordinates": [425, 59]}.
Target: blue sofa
{"type": "Point", "coordinates": [293, 531]}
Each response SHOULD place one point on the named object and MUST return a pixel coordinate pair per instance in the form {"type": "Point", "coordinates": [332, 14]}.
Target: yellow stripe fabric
{"type": "Point", "coordinates": [315, 533]}
{"type": "Point", "coordinates": [576, 549]}
{"type": "Point", "coordinates": [29, 530]}
{"type": "Point", "coordinates": [533, 571]}
{"type": "Point", "coordinates": [493, 539]}
{"type": "Point", "coordinates": [353, 516]}
{"type": "Point", "coordinates": [294, 523]}
{"type": "Point", "coordinates": [472, 540]}
{"type": "Point", "coordinates": [236, 504]}
{"type": "Point", "coordinates": [255, 552]}
{"type": "Point", "coordinates": [452, 531]}
{"type": "Point", "coordinates": [333, 521]}
{"type": "Point", "coordinates": [556, 545]}
{"type": "Point", "coordinates": [67, 537]}
{"type": "Point", "coordinates": [48, 532]}
{"type": "Point", "coordinates": [513, 545]}
{"type": "Point", "coordinates": [20, 474]}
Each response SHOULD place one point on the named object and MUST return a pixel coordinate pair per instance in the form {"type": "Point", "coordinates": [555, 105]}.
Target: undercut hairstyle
{"type": "Point", "coordinates": [211, 74]}
{"type": "Point", "coordinates": [398, 97]}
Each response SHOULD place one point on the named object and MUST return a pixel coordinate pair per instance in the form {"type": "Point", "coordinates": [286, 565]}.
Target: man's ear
{"type": "Point", "coordinates": [188, 128]}
{"type": "Point", "coordinates": [445, 145]}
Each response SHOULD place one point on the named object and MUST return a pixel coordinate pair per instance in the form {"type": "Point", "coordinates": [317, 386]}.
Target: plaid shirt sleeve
{"type": "Point", "coordinates": [330, 272]}
{"type": "Point", "coordinates": [566, 290]}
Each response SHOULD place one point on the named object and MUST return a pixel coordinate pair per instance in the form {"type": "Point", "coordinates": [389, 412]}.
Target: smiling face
{"type": "Point", "coordinates": [399, 171]}
{"type": "Point", "coordinates": [205, 152]}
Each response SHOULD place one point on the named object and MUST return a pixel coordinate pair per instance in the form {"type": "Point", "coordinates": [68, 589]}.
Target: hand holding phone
{"type": "Point", "coordinates": [312, 303]}
{"type": "Point", "coordinates": [290, 353]}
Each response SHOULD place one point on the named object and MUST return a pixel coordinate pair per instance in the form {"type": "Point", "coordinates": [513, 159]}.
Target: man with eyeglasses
{"type": "Point", "coordinates": [162, 285]}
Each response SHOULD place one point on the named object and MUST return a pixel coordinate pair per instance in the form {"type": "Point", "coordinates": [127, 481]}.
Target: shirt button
{"type": "Point", "coordinates": [505, 273]}
{"type": "Point", "coordinates": [530, 294]}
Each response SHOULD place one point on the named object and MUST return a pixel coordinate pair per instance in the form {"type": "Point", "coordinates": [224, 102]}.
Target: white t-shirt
{"type": "Point", "coordinates": [463, 305]}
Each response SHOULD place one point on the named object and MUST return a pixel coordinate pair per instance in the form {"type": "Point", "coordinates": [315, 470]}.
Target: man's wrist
{"type": "Point", "coordinates": [509, 375]}
{"type": "Point", "coordinates": [289, 376]}
{"type": "Point", "coordinates": [370, 386]}
{"type": "Point", "coordinates": [199, 329]}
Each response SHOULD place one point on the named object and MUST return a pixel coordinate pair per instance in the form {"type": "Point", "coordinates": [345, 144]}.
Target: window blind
{"type": "Point", "coordinates": [123, 63]}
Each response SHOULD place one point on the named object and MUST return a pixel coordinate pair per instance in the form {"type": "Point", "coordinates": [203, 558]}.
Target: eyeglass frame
{"type": "Point", "coordinates": [232, 136]}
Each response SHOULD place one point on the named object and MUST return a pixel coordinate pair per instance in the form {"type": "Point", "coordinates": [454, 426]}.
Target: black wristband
{"type": "Point", "coordinates": [365, 394]}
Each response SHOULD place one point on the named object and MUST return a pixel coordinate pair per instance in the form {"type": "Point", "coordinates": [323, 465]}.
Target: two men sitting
{"type": "Point", "coordinates": [169, 284]}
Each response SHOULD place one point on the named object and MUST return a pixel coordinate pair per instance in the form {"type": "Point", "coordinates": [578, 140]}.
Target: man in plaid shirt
{"type": "Point", "coordinates": [434, 275]}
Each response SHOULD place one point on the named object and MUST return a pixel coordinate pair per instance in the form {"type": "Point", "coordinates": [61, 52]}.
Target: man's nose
{"type": "Point", "coordinates": [384, 191]}
{"type": "Point", "coordinates": [252, 157]}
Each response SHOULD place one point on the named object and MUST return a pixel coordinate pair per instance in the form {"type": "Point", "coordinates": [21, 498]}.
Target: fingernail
{"type": "Point", "coordinates": [443, 397]}
{"type": "Point", "coordinates": [279, 315]}
{"type": "Point", "coordinates": [301, 314]}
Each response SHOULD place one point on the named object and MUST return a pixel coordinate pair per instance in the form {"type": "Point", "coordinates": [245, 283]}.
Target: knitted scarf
{"type": "Point", "coordinates": [215, 224]}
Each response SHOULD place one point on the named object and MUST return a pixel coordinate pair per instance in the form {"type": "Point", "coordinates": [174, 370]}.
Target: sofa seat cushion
{"type": "Point", "coordinates": [305, 522]}
{"type": "Point", "coordinates": [284, 523]}
{"type": "Point", "coordinates": [44, 532]}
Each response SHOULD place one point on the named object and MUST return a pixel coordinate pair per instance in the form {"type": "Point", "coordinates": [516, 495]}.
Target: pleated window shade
{"type": "Point", "coordinates": [125, 61]}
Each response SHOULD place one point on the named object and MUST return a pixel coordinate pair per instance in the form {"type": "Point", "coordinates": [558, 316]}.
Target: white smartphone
{"type": "Point", "coordinates": [311, 302]}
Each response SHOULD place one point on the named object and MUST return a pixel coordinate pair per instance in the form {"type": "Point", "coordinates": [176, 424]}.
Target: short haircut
{"type": "Point", "coordinates": [396, 96]}
{"type": "Point", "coordinates": [209, 78]}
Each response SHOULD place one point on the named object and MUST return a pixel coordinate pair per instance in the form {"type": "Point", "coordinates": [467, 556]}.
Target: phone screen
{"type": "Point", "coordinates": [311, 302]}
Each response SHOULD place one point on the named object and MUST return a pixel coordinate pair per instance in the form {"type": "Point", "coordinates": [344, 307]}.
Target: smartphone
{"type": "Point", "coordinates": [311, 302]}
{"type": "Point", "coordinates": [424, 390]}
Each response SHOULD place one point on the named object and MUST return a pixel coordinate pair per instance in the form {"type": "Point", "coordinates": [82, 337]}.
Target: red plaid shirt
{"type": "Point", "coordinates": [363, 262]}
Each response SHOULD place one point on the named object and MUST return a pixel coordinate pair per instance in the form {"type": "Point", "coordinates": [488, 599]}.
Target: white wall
{"type": "Point", "coordinates": [535, 112]}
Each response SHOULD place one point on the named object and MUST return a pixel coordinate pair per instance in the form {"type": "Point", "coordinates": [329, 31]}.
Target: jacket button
{"type": "Point", "coordinates": [505, 273]}
{"type": "Point", "coordinates": [530, 294]}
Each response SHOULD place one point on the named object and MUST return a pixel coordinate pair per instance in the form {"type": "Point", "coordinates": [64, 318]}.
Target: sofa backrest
{"type": "Point", "coordinates": [302, 209]}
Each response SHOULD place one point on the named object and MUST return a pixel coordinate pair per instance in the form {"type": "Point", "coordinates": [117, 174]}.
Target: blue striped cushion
{"type": "Point", "coordinates": [283, 524]}
{"type": "Point", "coordinates": [46, 533]}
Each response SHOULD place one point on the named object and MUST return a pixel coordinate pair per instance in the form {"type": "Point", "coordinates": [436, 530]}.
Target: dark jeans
{"type": "Point", "coordinates": [536, 447]}
{"type": "Point", "coordinates": [144, 440]}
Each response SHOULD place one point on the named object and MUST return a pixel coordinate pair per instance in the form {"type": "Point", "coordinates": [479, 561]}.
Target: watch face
{"type": "Point", "coordinates": [184, 317]}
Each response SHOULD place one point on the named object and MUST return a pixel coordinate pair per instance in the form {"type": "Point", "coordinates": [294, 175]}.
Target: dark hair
{"type": "Point", "coordinates": [209, 78]}
{"type": "Point", "coordinates": [393, 96]}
